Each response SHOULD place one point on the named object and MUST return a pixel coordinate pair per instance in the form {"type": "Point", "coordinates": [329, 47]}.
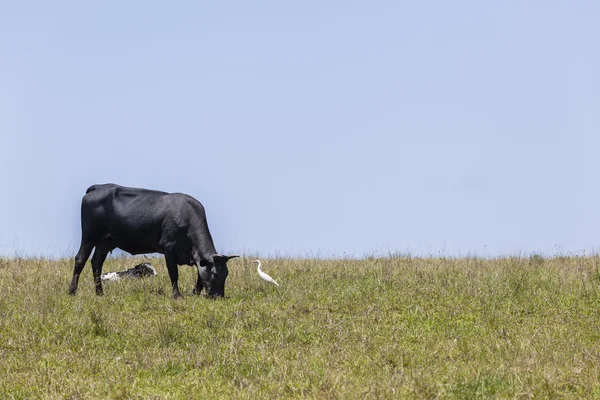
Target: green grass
{"type": "Point", "coordinates": [395, 327]}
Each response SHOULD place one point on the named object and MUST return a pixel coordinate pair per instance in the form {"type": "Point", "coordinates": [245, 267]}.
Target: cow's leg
{"type": "Point", "coordinates": [199, 285]}
{"type": "Point", "coordinates": [97, 261]}
{"type": "Point", "coordinates": [173, 273]}
{"type": "Point", "coordinates": [80, 259]}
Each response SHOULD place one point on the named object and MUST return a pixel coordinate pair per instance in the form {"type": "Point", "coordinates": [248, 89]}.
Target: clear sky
{"type": "Point", "coordinates": [333, 128]}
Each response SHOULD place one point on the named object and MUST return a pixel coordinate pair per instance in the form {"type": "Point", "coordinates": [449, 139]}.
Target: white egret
{"type": "Point", "coordinates": [263, 275]}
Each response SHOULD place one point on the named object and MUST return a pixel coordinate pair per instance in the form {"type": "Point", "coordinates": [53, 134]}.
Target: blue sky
{"type": "Point", "coordinates": [305, 128]}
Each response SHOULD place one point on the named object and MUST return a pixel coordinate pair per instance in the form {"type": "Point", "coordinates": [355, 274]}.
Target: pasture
{"type": "Point", "coordinates": [396, 327]}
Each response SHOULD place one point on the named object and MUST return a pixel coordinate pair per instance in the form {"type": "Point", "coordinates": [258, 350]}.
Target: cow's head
{"type": "Point", "coordinates": [214, 274]}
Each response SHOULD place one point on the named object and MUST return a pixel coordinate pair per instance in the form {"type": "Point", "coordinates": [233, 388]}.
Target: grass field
{"type": "Point", "coordinates": [395, 327]}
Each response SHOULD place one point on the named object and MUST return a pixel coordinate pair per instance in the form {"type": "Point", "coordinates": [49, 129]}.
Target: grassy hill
{"type": "Point", "coordinates": [395, 327]}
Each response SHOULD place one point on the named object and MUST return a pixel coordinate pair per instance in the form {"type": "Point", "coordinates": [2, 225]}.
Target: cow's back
{"type": "Point", "coordinates": [130, 218]}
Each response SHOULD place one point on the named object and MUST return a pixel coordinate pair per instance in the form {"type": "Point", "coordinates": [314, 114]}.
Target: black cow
{"type": "Point", "coordinates": [142, 221]}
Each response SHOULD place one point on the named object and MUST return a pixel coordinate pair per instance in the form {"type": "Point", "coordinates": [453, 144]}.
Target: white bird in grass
{"type": "Point", "coordinates": [263, 275]}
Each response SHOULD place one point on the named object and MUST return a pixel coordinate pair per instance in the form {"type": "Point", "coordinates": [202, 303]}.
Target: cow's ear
{"type": "Point", "coordinates": [223, 258]}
